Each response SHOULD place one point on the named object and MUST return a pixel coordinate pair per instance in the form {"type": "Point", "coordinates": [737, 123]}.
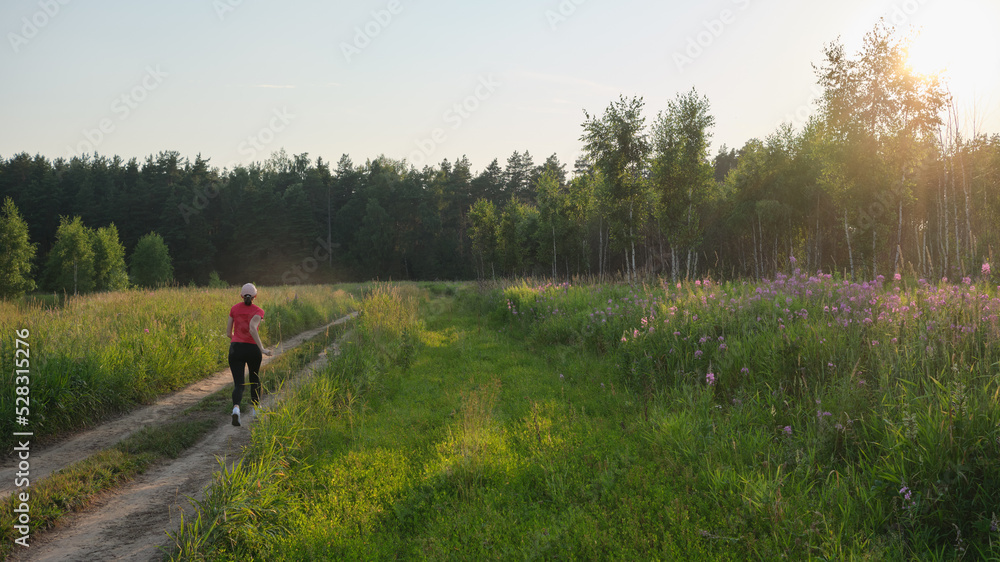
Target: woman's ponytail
{"type": "Point", "coordinates": [247, 300]}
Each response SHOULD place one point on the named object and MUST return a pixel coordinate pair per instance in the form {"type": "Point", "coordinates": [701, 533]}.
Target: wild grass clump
{"type": "Point", "coordinates": [473, 444]}
{"type": "Point", "coordinates": [840, 407]}
{"type": "Point", "coordinates": [102, 354]}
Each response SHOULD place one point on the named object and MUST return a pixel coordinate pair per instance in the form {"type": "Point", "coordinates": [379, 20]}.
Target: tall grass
{"type": "Point", "coordinates": [100, 355]}
{"type": "Point", "coordinates": [818, 409]}
{"type": "Point", "coordinates": [76, 486]}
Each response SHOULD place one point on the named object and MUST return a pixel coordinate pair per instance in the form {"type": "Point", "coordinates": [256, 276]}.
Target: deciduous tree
{"type": "Point", "coordinates": [151, 265]}
{"type": "Point", "coordinates": [16, 253]}
{"type": "Point", "coordinates": [682, 175]}
{"type": "Point", "coordinates": [617, 144]}
{"type": "Point", "coordinates": [70, 266]}
{"type": "Point", "coordinates": [110, 273]}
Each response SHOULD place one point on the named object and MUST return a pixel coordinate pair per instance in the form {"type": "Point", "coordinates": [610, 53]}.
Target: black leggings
{"type": "Point", "coordinates": [240, 355]}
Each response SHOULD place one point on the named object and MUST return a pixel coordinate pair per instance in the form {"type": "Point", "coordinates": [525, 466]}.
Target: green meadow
{"type": "Point", "coordinates": [799, 418]}
{"type": "Point", "coordinates": [97, 356]}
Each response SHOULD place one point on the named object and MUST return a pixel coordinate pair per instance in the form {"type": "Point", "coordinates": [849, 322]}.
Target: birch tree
{"type": "Point", "coordinates": [618, 146]}
{"type": "Point", "coordinates": [884, 115]}
{"type": "Point", "coordinates": [682, 174]}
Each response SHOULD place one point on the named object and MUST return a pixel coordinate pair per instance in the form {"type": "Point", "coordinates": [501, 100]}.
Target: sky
{"type": "Point", "coordinates": [422, 80]}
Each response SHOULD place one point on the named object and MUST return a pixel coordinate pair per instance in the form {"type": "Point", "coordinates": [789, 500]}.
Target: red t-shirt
{"type": "Point", "coordinates": [241, 315]}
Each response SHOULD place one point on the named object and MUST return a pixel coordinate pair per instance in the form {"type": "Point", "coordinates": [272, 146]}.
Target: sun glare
{"type": "Point", "coordinates": [930, 54]}
{"type": "Point", "coordinates": [957, 40]}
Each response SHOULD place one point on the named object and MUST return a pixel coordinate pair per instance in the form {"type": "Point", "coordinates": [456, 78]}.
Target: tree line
{"type": "Point", "coordinates": [81, 260]}
{"type": "Point", "coordinates": [878, 181]}
{"type": "Point", "coordinates": [284, 220]}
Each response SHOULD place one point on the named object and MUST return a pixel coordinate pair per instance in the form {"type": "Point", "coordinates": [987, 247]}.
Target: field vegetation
{"type": "Point", "coordinates": [803, 417]}
{"type": "Point", "coordinates": [99, 355]}
{"type": "Point", "coordinates": [75, 487]}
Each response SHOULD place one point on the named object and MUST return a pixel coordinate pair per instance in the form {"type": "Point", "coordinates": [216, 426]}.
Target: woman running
{"type": "Point", "coordinates": [245, 348]}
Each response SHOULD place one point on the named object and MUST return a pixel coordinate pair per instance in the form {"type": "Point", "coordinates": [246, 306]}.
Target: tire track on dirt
{"type": "Point", "coordinates": [131, 522]}
{"type": "Point", "coordinates": [65, 452]}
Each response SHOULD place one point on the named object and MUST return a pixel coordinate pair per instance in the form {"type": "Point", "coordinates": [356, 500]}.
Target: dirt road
{"type": "Point", "coordinates": [131, 522]}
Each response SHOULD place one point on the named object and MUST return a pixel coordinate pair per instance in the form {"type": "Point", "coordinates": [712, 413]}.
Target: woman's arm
{"type": "Point", "coordinates": [229, 328]}
{"type": "Point", "coordinates": [254, 322]}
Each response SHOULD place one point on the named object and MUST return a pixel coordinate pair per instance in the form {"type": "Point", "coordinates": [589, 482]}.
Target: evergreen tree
{"type": "Point", "coordinates": [519, 177]}
{"type": "Point", "coordinates": [489, 184]}
{"type": "Point", "coordinates": [553, 166]}
{"type": "Point", "coordinates": [724, 161]}
{"type": "Point", "coordinates": [374, 240]}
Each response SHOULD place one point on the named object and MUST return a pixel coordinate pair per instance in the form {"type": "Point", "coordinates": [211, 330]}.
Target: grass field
{"type": "Point", "coordinates": [100, 355]}
{"type": "Point", "coordinates": [803, 418]}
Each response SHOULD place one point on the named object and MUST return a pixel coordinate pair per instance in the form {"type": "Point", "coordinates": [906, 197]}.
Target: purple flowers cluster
{"type": "Point", "coordinates": [906, 494]}
{"type": "Point", "coordinates": [701, 327]}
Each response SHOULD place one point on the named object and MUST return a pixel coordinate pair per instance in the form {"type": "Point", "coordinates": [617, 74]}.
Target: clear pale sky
{"type": "Point", "coordinates": [235, 80]}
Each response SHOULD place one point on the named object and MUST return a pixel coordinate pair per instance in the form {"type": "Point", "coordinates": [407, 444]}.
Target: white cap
{"type": "Point", "coordinates": [248, 289]}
